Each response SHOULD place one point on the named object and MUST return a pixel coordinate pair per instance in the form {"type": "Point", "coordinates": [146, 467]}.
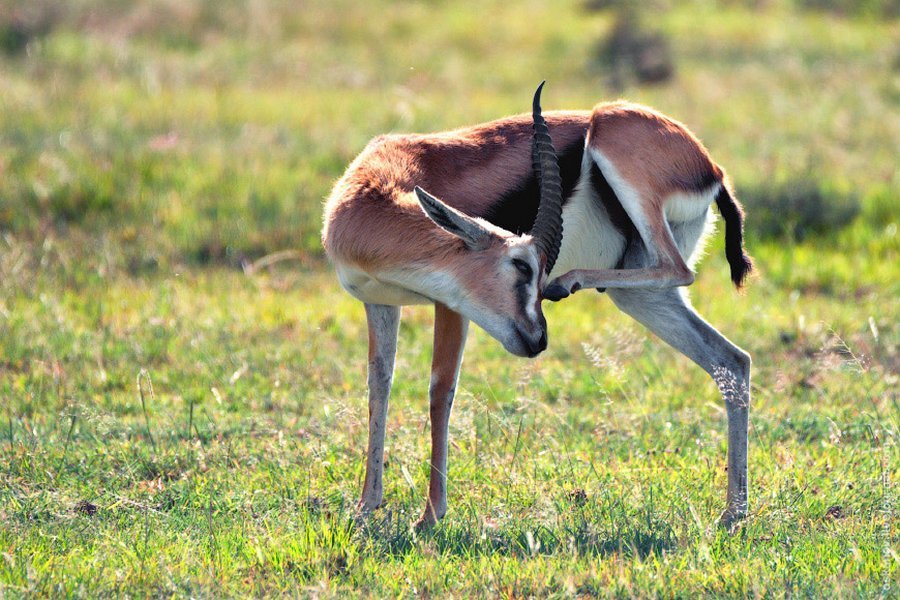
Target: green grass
{"type": "Point", "coordinates": [148, 150]}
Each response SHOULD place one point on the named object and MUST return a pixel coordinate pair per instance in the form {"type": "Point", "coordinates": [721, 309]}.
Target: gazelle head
{"type": "Point", "coordinates": [499, 275]}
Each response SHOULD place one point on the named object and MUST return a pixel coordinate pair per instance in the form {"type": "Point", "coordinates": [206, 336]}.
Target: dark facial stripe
{"type": "Point", "coordinates": [515, 210]}
{"type": "Point", "coordinates": [522, 295]}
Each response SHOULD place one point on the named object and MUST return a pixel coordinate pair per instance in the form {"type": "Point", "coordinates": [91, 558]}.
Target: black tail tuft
{"type": "Point", "coordinates": [733, 215]}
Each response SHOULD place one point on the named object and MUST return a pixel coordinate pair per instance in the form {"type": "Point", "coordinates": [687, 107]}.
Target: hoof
{"type": "Point", "coordinates": [364, 507]}
{"type": "Point", "coordinates": [731, 518]}
{"type": "Point", "coordinates": [555, 292]}
{"type": "Point", "coordinates": [425, 523]}
{"type": "Point", "coordinates": [428, 519]}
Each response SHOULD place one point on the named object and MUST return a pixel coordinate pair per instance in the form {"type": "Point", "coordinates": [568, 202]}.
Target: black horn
{"type": "Point", "coordinates": [548, 226]}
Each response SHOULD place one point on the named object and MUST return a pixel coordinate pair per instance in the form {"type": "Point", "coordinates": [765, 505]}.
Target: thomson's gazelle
{"type": "Point", "coordinates": [621, 206]}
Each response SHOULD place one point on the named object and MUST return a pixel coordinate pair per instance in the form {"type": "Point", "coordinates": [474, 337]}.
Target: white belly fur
{"type": "Point", "coordinates": [363, 286]}
{"type": "Point", "coordinates": [590, 240]}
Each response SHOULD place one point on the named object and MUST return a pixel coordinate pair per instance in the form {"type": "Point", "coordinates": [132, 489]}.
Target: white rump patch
{"type": "Point", "coordinates": [688, 215]}
{"type": "Point", "coordinates": [683, 206]}
{"type": "Point", "coordinates": [692, 222]}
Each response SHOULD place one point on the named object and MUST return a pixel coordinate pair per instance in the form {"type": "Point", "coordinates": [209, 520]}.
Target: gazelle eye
{"type": "Point", "coordinates": [523, 267]}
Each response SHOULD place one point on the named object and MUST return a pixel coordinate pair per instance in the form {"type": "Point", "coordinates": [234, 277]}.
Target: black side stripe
{"type": "Point", "coordinates": [515, 210]}
{"type": "Point", "coordinates": [614, 209]}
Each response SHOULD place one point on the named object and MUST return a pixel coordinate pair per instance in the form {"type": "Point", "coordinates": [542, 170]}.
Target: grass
{"type": "Point", "coordinates": [170, 425]}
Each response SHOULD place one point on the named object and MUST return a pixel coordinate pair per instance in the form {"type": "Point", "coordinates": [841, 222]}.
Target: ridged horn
{"type": "Point", "coordinates": [548, 226]}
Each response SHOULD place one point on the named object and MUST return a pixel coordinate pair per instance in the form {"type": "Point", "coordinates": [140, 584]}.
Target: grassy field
{"type": "Point", "coordinates": [175, 422]}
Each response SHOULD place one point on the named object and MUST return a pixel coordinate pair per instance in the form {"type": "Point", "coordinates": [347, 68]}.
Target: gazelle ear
{"type": "Point", "coordinates": [475, 235]}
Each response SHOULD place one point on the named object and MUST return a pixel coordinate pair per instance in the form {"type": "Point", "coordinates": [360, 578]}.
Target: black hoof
{"type": "Point", "coordinates": [555, 292]}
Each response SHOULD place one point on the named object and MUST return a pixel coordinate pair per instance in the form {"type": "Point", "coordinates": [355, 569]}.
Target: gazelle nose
{"type": "Point", "coordinates": [535, 347]}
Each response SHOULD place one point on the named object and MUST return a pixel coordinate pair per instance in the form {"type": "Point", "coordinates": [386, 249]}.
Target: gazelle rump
{"type": "Point", "coordinates": [633, 189]}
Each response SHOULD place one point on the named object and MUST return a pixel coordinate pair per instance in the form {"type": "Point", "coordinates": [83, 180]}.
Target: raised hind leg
{"type": "Point", "coordinates": [664, 267]}
{"type": "Point", "coordinates": [653, 209]}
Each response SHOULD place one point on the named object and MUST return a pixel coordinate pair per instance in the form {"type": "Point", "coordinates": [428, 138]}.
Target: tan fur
{"type": "Point", "coordinates": [449, 342]}
{"type": "Point", "coordinates": [464, 168]}
{"type": "Point", "coordinates": [654, 153]}
{"type": "Point", "coordinates": [469, 167]}
{"type": "Point", "coordinates": [388, 252]}
{"type": "Point", "coordinates": [653, 161]}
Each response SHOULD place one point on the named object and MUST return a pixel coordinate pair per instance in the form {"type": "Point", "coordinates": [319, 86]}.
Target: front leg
{"type": "Point", "coordinates": [384, 324]}
{"type": "Point", "coordinates": [450, 329]}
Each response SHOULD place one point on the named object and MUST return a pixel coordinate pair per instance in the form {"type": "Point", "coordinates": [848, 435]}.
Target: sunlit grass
{"type": "Point", "coordinates": [150, 151]}
{"type": "Point", "coordinates": [243, 473]}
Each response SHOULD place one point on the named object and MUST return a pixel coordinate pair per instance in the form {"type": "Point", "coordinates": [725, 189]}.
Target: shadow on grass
{"type": "Point", "coordinates": [629, 537]}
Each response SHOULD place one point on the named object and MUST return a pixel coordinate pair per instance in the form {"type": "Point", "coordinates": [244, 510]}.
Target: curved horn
{"type": "Point", "coordinates": [548, 226]}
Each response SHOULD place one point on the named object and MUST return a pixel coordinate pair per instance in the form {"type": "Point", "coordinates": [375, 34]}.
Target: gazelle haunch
{"type": "Point", "coordinates": [633, 190]}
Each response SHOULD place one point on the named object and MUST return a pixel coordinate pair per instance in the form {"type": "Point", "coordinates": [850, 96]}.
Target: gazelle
{"type": "Point", "coordinates": [622, 206]}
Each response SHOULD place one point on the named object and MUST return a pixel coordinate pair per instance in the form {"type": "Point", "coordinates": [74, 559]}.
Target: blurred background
{"type": "Point", "coordinates": [180, 416]}
{"type": "Point", "coordinates": [149, 133]}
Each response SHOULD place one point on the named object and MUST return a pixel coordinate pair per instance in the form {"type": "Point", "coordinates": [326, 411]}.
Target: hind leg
{"type": "Point", "coordinates": [664, 266]}
{"type": "Point", "coordinates": [667, 314]}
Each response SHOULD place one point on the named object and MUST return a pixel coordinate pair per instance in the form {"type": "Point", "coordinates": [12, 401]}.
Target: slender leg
{"type": "Point", "coordinates": [667, 314]}
{"type": "Point", "coordinates": [384, 323]}
{"type": "Point", "coordinates": [650, 277]}
{"type": "Point", "coordinates": [664, 266]}
{"type": "Point", "coordinates": [450, 330]}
